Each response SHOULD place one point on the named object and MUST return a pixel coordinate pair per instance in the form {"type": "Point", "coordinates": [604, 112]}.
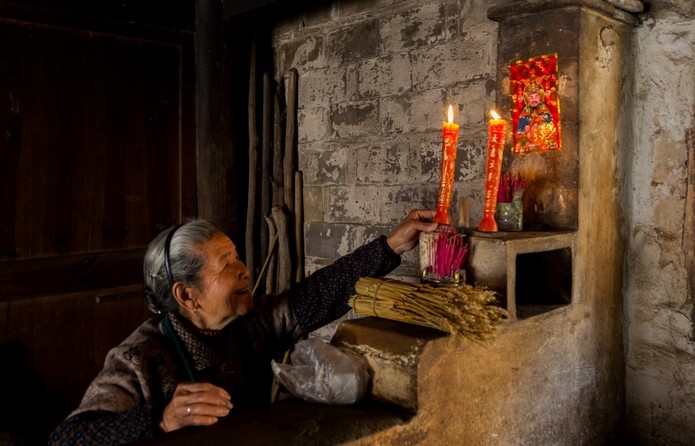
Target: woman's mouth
{"type": "Point", "coordinates": [242, 292]}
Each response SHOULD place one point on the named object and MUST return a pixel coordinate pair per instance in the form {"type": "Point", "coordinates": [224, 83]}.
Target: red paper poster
{"type": "Point", "coordinates": [535, 104]}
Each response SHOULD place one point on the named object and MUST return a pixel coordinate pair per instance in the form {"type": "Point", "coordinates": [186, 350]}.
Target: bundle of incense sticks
{"type": "Point", "coordinates": [464, 310]}
{"type": "Point", "coordinates": [442, 253]}
{"type": "Point", "coordinates": [509, 186]}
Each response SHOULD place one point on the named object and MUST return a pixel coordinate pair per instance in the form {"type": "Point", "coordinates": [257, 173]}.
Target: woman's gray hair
{"type": "Point", "coordinates": [186, 257]}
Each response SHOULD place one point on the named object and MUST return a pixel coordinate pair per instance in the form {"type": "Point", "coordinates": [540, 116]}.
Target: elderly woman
{"type": "Point", "coordinates": [208, 351]}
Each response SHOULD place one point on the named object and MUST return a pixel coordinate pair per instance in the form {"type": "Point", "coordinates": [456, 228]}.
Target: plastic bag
{"type": "Point", "coordinates": [321, 373]}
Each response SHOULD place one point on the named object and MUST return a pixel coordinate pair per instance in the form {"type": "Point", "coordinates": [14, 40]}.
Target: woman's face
{"type": "Point", "coordinates": [224, 293]}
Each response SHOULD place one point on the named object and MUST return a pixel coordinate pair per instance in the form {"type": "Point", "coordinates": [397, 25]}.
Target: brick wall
{"type": "Point", "coordinates": [375, 80]}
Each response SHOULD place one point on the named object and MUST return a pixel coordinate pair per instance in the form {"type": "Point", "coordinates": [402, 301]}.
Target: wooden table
{"type": "Point", "coordinates": [290, 422]}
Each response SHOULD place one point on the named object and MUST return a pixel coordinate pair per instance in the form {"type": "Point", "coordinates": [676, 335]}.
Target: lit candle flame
{"type": "Point", "coordinates": [451, 113]}
{"type": "Point", "coordinates": [494, 114]}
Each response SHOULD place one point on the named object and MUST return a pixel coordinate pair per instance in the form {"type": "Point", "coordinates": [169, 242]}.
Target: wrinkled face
{"type": "Point", "coordinates": [224, 293]}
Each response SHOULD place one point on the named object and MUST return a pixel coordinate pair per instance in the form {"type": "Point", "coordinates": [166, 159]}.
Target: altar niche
{"type": "Point", "coordinates": [530, 271]}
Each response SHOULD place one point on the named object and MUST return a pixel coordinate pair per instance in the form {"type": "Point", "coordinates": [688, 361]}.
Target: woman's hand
{"type": "Point", "coordinates": [195, 404]}
{"type": "Point", "coordinates": [406, 235]}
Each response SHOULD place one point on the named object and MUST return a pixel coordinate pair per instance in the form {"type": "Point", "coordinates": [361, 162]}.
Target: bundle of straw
{"type": "Point", "coordinates": [460, 310]}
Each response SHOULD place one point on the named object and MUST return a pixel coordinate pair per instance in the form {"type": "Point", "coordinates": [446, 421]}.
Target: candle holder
{"type": "Point", "coordinates": [450, 133]}
{"type": "Point", "coordinates": [442, 254]}
{"type": "Point", "coordinates": [509, 213]}
{"type": "Point", "coordinates": [497, 130]}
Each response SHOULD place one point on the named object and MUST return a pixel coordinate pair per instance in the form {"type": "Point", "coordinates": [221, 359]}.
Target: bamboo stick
{"type": "Point", "coordinates": [284, 265]}
{"type": "Point", "coordinates": [278, 148]}
{"type": "Point", "coordinates": [270, 278]}
{"type": "Point", "coordinates": [275, 389]}
{"type": "Point", "coordinates": [290, 139]}
{"type": "Point", "coordinates": [265, 158]}
{"type": "Point", "coordinates": [266, 263]}
{"type": "Point", "coordinates": [253, 165]}
{"type": "Point", "coordinates": [299, 225]}
{"type": "Point", "coordinates": [463, 220]}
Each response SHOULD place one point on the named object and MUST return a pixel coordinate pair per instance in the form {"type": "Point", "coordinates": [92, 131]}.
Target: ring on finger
{"type": "Point", "coordinates": [188, 410]}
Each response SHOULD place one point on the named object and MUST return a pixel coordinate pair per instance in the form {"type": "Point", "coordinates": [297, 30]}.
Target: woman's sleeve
{"type": "Point", "coordinates": [322, 297]}
{"type": "Point", "coordinates": [108, 428]}
{"type": "Point", "coordinates": [118, 406]}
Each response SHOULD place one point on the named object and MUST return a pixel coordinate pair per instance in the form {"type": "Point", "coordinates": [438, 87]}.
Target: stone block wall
{"type": "Point", "coordinates": [660, 273]}
{"type": "Point", "coordinates": [375, 81]}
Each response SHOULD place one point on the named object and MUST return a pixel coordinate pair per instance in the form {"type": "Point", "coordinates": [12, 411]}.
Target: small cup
{"type": "Point", "coordinates": [510, 216]}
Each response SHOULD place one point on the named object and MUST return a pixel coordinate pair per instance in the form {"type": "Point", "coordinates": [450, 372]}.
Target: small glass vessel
{"type": "Point", "coordinates": [510, 216]}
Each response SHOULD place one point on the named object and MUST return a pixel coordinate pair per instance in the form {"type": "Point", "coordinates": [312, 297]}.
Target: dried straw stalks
{"type": "Point", "coordinates": [462, 309]}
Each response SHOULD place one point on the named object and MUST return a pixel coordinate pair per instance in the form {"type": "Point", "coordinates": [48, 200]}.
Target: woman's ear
{"type": "Point", "coordinates": [183, 297]}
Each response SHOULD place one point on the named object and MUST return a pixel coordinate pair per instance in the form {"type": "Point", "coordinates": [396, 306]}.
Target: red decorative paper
{"type": "Point", "coordinates": [535, 104]}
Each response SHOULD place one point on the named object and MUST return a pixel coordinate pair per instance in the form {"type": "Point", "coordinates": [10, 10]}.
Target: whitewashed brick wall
{"type": "Point", "coordinates": [375, 80]}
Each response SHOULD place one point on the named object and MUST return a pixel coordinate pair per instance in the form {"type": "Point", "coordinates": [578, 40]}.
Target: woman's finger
{"type": "Point", "coordinates": [192, 388]}
{"type": "Point", "coordinates": [205, 410]}
{"type": "Point", "coordinates": [199, 404]}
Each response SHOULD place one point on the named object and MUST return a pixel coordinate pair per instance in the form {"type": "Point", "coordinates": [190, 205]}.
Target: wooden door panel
{"type": "Point", "coordinates": [67, 337]}
{"type": "Point", "coordinates": [93, 153]}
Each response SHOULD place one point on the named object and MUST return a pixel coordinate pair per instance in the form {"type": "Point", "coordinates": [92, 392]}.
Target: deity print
{"type": "Point", "coordinates": [535, 105]}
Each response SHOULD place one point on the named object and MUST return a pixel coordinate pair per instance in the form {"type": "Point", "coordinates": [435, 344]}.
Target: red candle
{"type": "Point", "coordinates": [496, 132]}
{"type": "Point", "coordinates": [450, 133]}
